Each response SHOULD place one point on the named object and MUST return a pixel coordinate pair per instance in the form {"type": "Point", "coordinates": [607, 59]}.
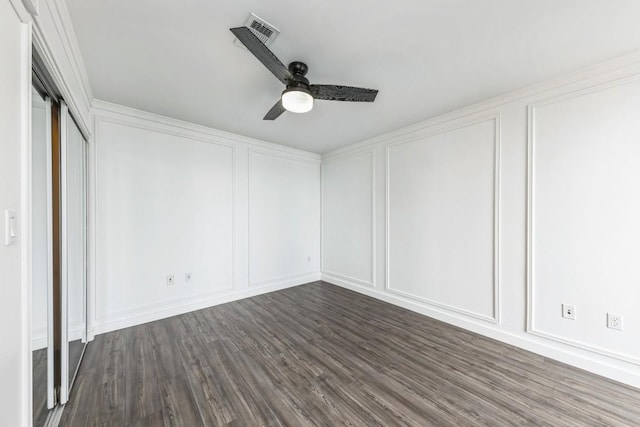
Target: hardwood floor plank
{"type": "Point", "coordinates": [322, 355]}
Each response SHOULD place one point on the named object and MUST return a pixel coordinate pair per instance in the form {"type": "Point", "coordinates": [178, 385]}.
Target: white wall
{"type": "Point", "coordinates": [15, 106]}
{"type": "Point", "coordinates": [586, 217]}
{"type": "Point", "coordinates": [348, 206]}
{"type": "Point", "coordinates": [284, 218]}
{"type": "Point", "coordinates": [173, 198]}
{"type": "Point", "coordinates": [450, 233]}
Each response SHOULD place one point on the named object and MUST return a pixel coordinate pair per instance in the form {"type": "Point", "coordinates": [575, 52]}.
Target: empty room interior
{"type": "Point", "coordinates": [323, 213]}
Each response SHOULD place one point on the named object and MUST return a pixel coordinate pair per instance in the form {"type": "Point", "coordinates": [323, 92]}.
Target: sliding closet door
{"type": "Point", "coordinates": [42, 334]}
{"type": "Point", "coordinates": [73, 249]}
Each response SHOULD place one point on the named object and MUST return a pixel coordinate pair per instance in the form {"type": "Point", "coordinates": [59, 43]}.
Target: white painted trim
{"type": "Point", "coordinates": [21, 11]}
{"type": "Point", "coordinates": [135, 123]}
{"type": "Point", "coordinates": [161, 305]}
{"type": "Point", "coordinates": [538, 346]}
{"type": "Point", "coordinates": [179, 127]}
{"type": "Point", "coordinates": [355, 281]}
{"type": "Point", "coordinates": [26, 226]}
{"type": "Point", "coordinates": [251, 152]}
{"type": "Point", "coordinates": [64, 246]}
{"type": "Point", "coordinates": [194, 303]}
{"type": "Point", "coordinates": [80, 108]}
{"type": "Point", "coordinates": [421, 136]}
{"type": "Point", "coordinates": [92, 217]}
{"type": "Point", "coordinates": [585, 77]}
{"type": "Point", "coordinates": [372, 282]}
{"type": "Point", "coordinates": [531, 139]}
{"type": "Point", "coordinates": [50, 324]}
{"type": "Point", "coordinates": [31, 6]}
{"type": "Point", "coordinates": [64, 27]}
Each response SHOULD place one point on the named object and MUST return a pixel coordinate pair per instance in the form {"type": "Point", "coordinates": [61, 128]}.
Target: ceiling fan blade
{"type": "Point", "coordinates": [343, 93]}
{"type": "Point", "coordinates": [275, 111]}
{"type": "Point", "coordinates": [264, 55]}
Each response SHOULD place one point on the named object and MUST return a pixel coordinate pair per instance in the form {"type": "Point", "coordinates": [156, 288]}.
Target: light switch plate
{"type": "Point", "coordinates": [10, 230]}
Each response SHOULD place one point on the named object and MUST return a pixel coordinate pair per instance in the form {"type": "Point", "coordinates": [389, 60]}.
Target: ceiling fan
{"type": "Point", "coordinates": [299, 94]}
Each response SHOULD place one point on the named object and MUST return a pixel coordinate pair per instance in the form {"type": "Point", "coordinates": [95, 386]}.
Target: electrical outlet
{"type": "Point", "coordinates": [187, 277]}
{"type": "Point", "coordinates": [308, 259]}
{"type": "Point", "coordinates": [171, 280]}
{"type": "Point", "coordinates": [569, 311]}
{"type": "Point", "coordinates": [614, 321]}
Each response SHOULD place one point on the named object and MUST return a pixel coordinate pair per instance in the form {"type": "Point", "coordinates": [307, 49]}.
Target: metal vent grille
{"type": "Point", "coordinates": [266, 32]}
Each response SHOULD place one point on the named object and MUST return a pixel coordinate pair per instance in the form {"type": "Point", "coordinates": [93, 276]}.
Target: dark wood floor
{"type": "Point", "coordinates": [321, 355]}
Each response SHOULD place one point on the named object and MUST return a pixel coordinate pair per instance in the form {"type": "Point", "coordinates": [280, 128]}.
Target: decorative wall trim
{"type": "Point", "coordinates": [588, 76]}
{"type": "Point", "coordinates": [372, 282]}
{"type": "Point", "coordinates": [92, 228]}
{"type": "Point", "coordinates": [285, 279]}
{"type": "Point", "coordinates": [21, 10]}
{"type": "Point", "coordinates": [161, 305]}
{"type": "Point", "coordinates": [193, 303]}
{"type": "Point", "coordinates": [133, 123]}
{"type": "Point", "coordinates": [531, 139]}
{"type": "Point", "coordinates": [107, 109]}
{"type": "Point", "coordinates": [342, 277]}
{"type": "Point", "coordinates": [262, 152]}
{"type": "Point", "coordinates": [458, 124]}
{"type": "Point", "coordinates": [31, 6]}
{"type": "Point", "coordinates": [54, 14]}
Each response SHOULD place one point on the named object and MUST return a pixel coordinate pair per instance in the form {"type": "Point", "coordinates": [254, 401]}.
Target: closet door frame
{"type": "Point", "coordinates": [50, 309]}
{"type": "Point", "coordinates": [66, 382]}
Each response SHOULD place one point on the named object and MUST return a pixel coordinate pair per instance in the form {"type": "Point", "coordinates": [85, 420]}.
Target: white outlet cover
{"type": "Point", "coordinates": [170, 280]}
{"type": "Point", "coordinates": [569, 311]}
{"type": "Point", "coordinates": [614, 321]}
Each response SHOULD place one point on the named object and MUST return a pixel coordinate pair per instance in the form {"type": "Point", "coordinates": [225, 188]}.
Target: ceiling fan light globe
{"type": "Point", "coordinates": [297, 100]}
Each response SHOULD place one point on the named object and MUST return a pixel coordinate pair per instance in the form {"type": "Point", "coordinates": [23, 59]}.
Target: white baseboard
{"type": "Point", "coordinates": [195, 303]}
{"type": "Point", "coordinates": [565, 354]}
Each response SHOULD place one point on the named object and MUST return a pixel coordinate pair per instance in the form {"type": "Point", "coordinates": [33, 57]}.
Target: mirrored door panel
{"type": "Point", "coordinates": [41, 262]}
{"type": "Point", "coordinates": [74, 211]}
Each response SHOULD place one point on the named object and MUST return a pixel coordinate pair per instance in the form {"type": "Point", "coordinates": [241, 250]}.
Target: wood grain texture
{"type": "Point", "coordinates": [321, 355]}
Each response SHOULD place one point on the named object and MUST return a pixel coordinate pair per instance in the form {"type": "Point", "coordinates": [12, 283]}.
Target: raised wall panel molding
{"type": "Point", "coordinates": [123, 121]}
{"type": "Point", "coordinates": [180, 127]}
{"type": "Point", "coordinates": [280, 155]}
{"type": "Point", "coordinates": [495, 317]}
{"type": "Point", "coordinates": [360, 282]}
{"type": "Point", "coordinates": [349, 279]}
{"type": "Point", "coordinates": [284, 279]}
{"type": "Point", "coordinates": [531, 140]}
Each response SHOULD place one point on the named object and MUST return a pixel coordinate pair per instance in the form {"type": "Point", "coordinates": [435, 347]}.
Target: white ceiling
{"type": "Point", "coordinates": [427, 57]}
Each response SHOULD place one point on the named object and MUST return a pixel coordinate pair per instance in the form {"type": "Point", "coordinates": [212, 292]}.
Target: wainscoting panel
{"type": "Point", "coordinates": [348, 218]}
{"type": "Point", "coordinates": [442, 219]}
{"type": "Point", "coordinates": [165, 207]}
{"type": "Point", "coordinates": [584, 217]}
{"type": "Point", "coordinates": [284, 218]}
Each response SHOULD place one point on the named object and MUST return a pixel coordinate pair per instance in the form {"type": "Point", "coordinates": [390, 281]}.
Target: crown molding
{"type": "Point", "coordinates": [108, 109]}
{"type": "Point", "coordinates": [56, 42]}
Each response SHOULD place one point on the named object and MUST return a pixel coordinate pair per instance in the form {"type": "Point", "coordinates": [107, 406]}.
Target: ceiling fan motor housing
{"type": "Point", "coordinates": [298, 70]}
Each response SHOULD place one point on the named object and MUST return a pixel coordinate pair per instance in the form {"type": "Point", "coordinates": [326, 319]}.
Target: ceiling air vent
{"type": "Point", "coordinates": [266, 32]}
